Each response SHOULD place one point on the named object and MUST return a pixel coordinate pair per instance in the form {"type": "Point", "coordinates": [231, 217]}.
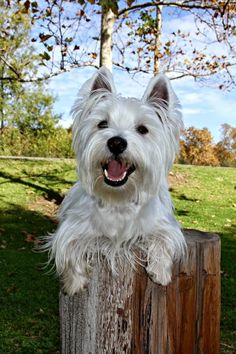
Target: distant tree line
{"type": "Point", "coordinates": [197, 147]}
{"type": "Point", "coordinates": [56, 143]}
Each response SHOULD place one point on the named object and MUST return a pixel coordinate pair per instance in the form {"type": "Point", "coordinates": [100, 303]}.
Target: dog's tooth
{"type": "Point", "coordinates": [117, 180]}
{"type": "Point", "coordinates": [122, 177]}
{"type": "Point", "coordinates": [106, 173]}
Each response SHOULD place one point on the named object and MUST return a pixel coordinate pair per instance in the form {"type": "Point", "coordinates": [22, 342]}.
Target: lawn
{"type": "Point", "coordinates": [30, 192]}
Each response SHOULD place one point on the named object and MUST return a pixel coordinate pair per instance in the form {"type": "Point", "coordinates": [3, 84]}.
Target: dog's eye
{"type": "Point", "coordinates": [141, 129]}
{"type": "Point", "coordinates": [103, 124]}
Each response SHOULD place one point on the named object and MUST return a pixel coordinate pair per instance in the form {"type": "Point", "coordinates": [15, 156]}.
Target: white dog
{"type": "Point", "coordinates": [125, 148]}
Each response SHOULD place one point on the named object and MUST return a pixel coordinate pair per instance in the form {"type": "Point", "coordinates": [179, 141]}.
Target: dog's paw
{"type": "Point", "coordinates": [73, 284]}
{"type": "Point", "coordinates": [160, 274]}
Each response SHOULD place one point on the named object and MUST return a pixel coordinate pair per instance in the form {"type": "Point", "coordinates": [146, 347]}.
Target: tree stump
{"type": "Point", "coordinates": [129, 314]}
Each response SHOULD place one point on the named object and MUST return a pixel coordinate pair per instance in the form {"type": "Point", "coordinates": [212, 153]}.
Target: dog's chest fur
{"type": "Point", "coordinates": [118, 223]}
{"type": "Point", "coordinates": [123, 222]}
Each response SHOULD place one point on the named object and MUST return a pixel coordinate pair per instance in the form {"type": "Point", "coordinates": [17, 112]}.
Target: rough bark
{"type": "Point", "coordinates": [107, 22]}
{"type": "Point", "coordinates": [129, 314]}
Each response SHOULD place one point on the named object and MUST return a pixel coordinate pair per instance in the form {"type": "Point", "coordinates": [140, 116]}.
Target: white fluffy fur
{"type": "Point", "coordinates": [100, 220]}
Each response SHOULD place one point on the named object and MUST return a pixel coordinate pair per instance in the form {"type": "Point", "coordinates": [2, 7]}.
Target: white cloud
{"type": "Point", "coordinates": [205, 106]}
{"type": "Point", "coordinates": [190, 111]}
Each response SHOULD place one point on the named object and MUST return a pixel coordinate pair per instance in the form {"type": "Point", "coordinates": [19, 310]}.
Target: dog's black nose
{"type": "Point", "coordinates": [117, 145]}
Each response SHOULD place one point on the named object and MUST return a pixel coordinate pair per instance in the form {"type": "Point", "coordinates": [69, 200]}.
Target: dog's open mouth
{"type": "Point", "coordinates": [116, 173]}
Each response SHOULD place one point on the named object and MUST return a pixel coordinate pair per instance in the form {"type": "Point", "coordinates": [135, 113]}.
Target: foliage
{"type": "Point", "coordinates": [33, 111]}
{"type": "Point", "coordinates": [197, 147]}
{"type": "Point", "coordinates": [56, 143]}
{"type": "Point", "coordinates": [225, 150]}
{"type": "Point", "coordinates": [16, 56]}
{"type": "Point", "coordinates": [27, 106]}
{"type": "Point", "coordinates": [201, 49]}
{"type": "Point", "coordinates": [30, 192]}
{"type": "Point", "coordinates": [68, 35]}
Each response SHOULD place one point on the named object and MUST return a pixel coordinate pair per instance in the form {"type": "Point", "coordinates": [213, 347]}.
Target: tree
{"type": "Point", "coordinates": [69, 35]}
{"type": "Point", "coordinates": [225, 149]}
{"type": "Point", "coordinates": [107, 23]}
{"type": "Point", "coordinates": [197, 147]}
{"type": "Point", "coordinates": [202, 50]}
{"type": "Point", "coordinates": [34, 112]}
{"type": "Point", "coordinates": [26, 106]}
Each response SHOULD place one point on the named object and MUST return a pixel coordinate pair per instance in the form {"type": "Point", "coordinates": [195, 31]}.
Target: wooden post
{"type": "Point", "coordinates": [129, 314]}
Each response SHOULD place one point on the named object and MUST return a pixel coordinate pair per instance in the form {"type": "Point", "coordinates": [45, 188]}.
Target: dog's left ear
{"type": "Point", "coordinates": [102, 81]}
{"type": "Point", "coordinates": [161, 96]}
{"type": "Point", "coordinates": [158, 91]}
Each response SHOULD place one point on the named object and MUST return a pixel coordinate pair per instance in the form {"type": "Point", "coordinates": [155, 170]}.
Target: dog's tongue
{"type": "Point", "coordinates": [116, 170]}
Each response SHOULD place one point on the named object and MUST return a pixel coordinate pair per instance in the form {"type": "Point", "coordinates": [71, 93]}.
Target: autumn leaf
{"type": "Point", "coordinates": [93, 55]}
{"type": "Point", "coordinates": [26, 7]}
{"type": "Point", "coordinates": [130, 2]}
{"type": "Point", "coordinates": [44, 37]}
{"type": "Point", "coordinates": [30, 238]}
{"type": "Point", "coordinates": [80, 13]}
{"type": "Point", "coordinates": [12, 289]}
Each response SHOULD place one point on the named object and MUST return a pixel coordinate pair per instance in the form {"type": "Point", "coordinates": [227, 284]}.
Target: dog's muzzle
{"type": "Point", "coordinates": [116, 171]}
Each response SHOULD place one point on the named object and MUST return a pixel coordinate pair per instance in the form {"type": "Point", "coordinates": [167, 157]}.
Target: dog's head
{"type": "Point", "coordinates": [125, 146]}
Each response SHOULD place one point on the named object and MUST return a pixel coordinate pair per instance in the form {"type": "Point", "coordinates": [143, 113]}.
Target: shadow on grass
{"type": "Point", "coordinates": [28, 296]}
{"type": "Point", "coordinates": [182, 212]}
{"type": "Point", "coordinates": [54, 175]}
{"type": "Point", "coordinates": [230, 231]}
{"type": "Point", "coordinates": [181, 196]}
{"type": "Point", "coordinates": [49, 193]}
{"type": "Point", "coordinates": [16, 219]}
{"type": "Point", "coordinates": [184, 197]}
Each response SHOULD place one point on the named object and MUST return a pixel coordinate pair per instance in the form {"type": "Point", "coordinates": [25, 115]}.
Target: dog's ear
{"type": "Point", "coordinates": [158, 90]}
{"type": "Point", "coordinates": [102, 81]}
{"type": "Point", "coordinates": [161, 96]}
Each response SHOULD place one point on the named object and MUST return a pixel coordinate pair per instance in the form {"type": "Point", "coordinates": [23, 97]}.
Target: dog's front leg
{"type": "Point", "coordinates": [160, 262]}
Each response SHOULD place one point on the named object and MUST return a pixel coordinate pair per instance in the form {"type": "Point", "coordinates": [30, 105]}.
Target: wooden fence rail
{"type": "Point", "coordinates": [129, 314]}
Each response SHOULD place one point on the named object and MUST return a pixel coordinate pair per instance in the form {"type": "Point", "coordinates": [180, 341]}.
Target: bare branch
{"type": "Point", "coordinates": [186, 5]}
{"type": "Point", "coordinates": [47, 77]}
{"type": "Point", "coordinates": [10, 67]}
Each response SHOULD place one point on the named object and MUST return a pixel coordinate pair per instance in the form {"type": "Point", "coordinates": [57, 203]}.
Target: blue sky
{"type": "Point", "coordinates": [202, 106]}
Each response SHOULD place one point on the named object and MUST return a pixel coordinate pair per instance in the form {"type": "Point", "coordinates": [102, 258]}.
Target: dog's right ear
{"type": "Point", "coordinates": [159, 91]}
{"type": "Point", "coordinates": [102, 81]}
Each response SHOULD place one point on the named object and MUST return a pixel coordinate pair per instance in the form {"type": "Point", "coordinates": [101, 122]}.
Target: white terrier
{"type": "Point", "coordinates": [125, 148]}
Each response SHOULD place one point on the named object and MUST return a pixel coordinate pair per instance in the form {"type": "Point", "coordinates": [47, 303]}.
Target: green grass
{"type": "Point", "coordinates": [28, 297]}
{"type": "Point", "coordinates": [204, 198]}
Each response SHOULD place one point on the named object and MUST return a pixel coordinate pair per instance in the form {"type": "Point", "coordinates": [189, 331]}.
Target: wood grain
{"type": "Point", "coordinates": [129, 314]}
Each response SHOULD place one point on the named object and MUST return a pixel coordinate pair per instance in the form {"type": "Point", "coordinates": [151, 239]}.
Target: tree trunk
{"type": "Point", "coordinates": [129, 314]}
{"type": "Point", "coordinates": [107, 22]}
{"type": "Point", "coordinates": [157, 55]}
